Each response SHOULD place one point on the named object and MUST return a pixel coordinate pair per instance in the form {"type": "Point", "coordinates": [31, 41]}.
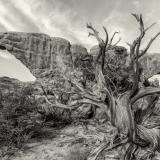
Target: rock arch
{"type": "Point", "coordinates": [36, 50]}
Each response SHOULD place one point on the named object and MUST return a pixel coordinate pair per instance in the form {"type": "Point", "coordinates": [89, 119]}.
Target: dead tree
{"type": "Point", "coordinates": [120, 109]}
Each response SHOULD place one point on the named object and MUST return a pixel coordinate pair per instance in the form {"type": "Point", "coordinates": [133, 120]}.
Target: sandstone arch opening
{"type": "Point", "coordinates": [11, 67]}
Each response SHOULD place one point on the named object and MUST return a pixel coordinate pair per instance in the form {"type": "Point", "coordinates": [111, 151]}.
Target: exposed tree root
{"type": "Point", "coordinates": [106, 146]}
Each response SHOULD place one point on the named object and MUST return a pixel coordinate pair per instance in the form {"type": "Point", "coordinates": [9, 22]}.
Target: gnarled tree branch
{"type": "Point", "coordinates": [145, 92]}
{"type": "Point", "coordinates": [148, 45]}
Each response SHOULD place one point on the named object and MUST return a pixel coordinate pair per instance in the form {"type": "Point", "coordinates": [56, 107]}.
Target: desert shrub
{"type": "Point", "coordinates": [59, 118]}
{"type": "Point", "coordinates": [18, 122]}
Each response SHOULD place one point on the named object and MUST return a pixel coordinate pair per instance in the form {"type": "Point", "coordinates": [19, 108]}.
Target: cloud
{"type": "Point", "coordinates": [136, 3]}
{"type": "Point", "coordinates": [2, 28]}
{"type": "Point", "coordinates": [68, 18]}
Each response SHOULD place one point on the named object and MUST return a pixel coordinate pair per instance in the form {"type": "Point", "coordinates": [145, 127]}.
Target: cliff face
{"type": "Point", "coordinates": [37, 51]}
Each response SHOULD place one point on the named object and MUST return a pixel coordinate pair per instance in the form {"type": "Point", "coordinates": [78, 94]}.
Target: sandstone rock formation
{"type": "Point", "coordinates": [78, 51]}
{"type": "Point", "coordinates": [48, 58]}
{"type": "Point", "coordinates": [35, 50]}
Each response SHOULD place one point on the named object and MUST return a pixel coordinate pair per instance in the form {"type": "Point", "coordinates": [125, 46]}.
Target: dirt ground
{"type": "Point", "coordinates": [73, 142]}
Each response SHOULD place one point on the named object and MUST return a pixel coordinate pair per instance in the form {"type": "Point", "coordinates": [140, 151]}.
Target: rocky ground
{"type": "Point", "coordinates": [72, 142]}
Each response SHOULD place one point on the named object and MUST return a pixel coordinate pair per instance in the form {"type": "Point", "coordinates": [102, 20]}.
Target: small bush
{"type": "Point", "coordinates": [17, 117]}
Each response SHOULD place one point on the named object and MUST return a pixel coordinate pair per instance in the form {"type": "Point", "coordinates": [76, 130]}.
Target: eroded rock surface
{"type": "Point", "coordinates": [78, 51]}
{"type": "Point", "coordinates": [37, 51]}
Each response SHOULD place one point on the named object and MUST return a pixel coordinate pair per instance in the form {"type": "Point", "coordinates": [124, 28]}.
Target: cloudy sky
{"type": "Point", "coordinates": [68, 18]}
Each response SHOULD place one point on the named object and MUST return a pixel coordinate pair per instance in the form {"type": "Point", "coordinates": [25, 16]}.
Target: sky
{"type": "Point", "coordinates": [68, 19]}
{"type": "Point", "coordinates": [11, 67]}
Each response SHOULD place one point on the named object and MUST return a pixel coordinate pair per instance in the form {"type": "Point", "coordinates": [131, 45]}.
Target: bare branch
{"type": "Point", "coordinates": [136, 16]}
{"type": "Point", "coordinates": [58, 105]}
{"type": "Point", "coordinates": [149, 44]}
{"type": "Point", "coordinates": [135, 53]}
{"type": "Point", "coordinates": [136, 70]}
{"type": "Point", "coordinates": [139, 20]}
{"type": "Point", "coordinates": [150, 108]}
{"type": "Point", "coordinates": [90, 34]}
{"type": "Point", "coordinates": [84, 99]}
{"type": "Point", "coordinates": [132, 49]}
{"type": "Point", "coordinates": [117, 42]}
{"type": "Point", "coordinates": [89, 101]}
{"type": "Point", "coordinates": [145, 92]}
{"type": "Point", "coordinates": [150, 26]}
{"type": "Point", "coordinates": [141, 24]}
{"type": "Point", "coordinates": [107, 147]}
{"type": "Point", "coordinates": [128, 44]}
{"type": "Point", "coordinates": [106, 41]}
{"type": "Point", "coordinates": [139, 39]}
{"type": "Point", "coordinates": [101, 42]}
{"type": "Point", "coordinates": [76, 103]}
{"type": "Point", "coordinates": [110, 43]}
{"type": "Point", "coordinates": [95, 34]}
{"type": "Point", "coordinates": [99, 55]}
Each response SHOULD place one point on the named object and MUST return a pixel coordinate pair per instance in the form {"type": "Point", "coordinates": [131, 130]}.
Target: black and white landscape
{"type": "Point", "coordinates": [79, 80]}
